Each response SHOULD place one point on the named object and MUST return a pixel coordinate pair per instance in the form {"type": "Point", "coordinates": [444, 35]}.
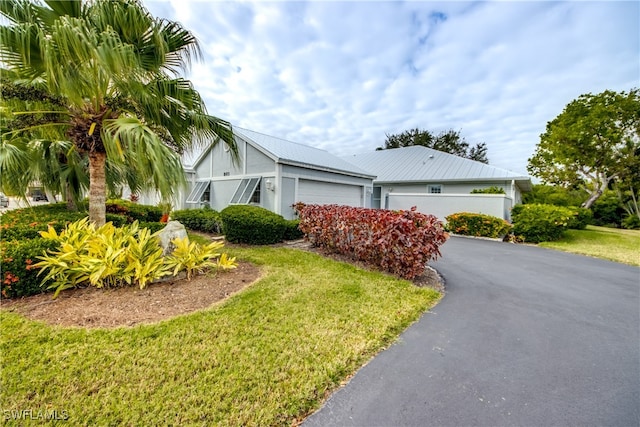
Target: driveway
{"type": "Point", "coordinates": [525, 336]}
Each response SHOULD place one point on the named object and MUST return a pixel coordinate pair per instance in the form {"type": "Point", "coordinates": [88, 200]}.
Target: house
{"type": "Point", "coordinates": [439, 183]}
{"type": "Point", "coordinates": [275, 174]}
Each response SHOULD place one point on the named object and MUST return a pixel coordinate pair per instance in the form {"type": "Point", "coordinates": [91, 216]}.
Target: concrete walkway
{"type": "Point", "coordinates": [524, 337]}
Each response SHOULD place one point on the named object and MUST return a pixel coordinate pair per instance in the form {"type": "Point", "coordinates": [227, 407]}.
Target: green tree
{"type": "Point", "coordinates": [114, 69]}
{"type": "Point", "coordinates": [592, 143]}
{"type": "Point", "coordinates": [554, 195]}
{"type": "Point", "coordinates": [449, 142]}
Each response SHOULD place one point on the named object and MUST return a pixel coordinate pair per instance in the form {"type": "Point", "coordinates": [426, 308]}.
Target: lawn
{"type": "Point", "coordinates": [266, 356]}
{"type": "Point", "coordinates": [601, 242]}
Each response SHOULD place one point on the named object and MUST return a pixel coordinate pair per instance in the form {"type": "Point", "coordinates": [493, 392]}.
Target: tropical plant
{"type": "Point", "coordinates": [193, 258]}
{"type": "Point", "coordinates": [110, 72]}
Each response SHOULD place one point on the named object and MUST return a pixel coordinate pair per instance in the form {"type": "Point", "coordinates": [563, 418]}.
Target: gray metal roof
{"type": "Point", "coordinates": [421, 164]}
{"type": "Point", "coordinates": [299, 154]}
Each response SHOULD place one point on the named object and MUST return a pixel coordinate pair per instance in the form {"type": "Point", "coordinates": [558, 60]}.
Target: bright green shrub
{"type": "Point", "coordinates": [19, 273]}
{"type": "Point", "coordinates": [206, 219]}
{"type": "Point", "coordinates": [153, 227]}
{"type": "Point", "coordinates": [540, 223]}
{"type": "Point", "coordinates": [252, 224]}
{"type": "Point", "coordinates": [490, 190]}
{"type": "Point", "coordinates": [27, 223]}
{"type": "Point", "coordinates": [292, 230]}
{"type": "Point", "coordinates": [479, 225]}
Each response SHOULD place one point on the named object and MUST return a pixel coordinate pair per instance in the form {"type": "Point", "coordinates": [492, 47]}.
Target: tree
{"type": "Point", "coordinates": [115, 70]}
{"type": "Point", "coordinates": [592, 143]}
{"type": "Point", "coordinates": [449, 142]}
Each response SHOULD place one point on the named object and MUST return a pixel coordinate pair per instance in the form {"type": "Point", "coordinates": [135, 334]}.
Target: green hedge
{"type": "Point", "coordinates": [580, 218]}
{"type": "Point", "coordinates": [540, 223]}
{"type": "Point", "coordinates": [292, 230]}
{"type": "Point", "coordinates": [206, 219]}
{"type": "Point", "coordinates": [490, 190]}
{"type": "Point", "coordinates": [478, 225]}
{"type": "Point", "coordinates": [252, 224]}
{"type": "Point", "coordinates": [19, 278]}
{"type": "Point", "coordinates": [134, 211]}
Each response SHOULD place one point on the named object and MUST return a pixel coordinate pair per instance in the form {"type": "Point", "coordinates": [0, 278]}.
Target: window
{"type": "Point", "coordinates": [196, 194]}
{"type": "Point", "coordinates": [435, 189]}
{"type": "Point", "coordinates": [246, 191]}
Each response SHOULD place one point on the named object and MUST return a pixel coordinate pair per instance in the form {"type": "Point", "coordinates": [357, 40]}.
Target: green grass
{"type": "Point", "coordinates": [266, 356]}
{"type": "Point", "coordinates": [601, 242]}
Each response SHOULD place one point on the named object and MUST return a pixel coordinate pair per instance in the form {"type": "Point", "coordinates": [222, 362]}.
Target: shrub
{"type": "Point", "coordinates": [479, 225]}
{"type": "Point", "coordinates": [206, 220]}
{"type": "Point", "coordinates": [490, 190]}
{"type": "Point", "coordinates": [153, 227]}
{"type": "Point", "coordinates": [109, 256]}
{"type": "Point", "coordinates": [252, 224]}
{"type": "Point", "coordinates": [540, 223]}
{"type": "Point", "coordinates": [292, 230]}
{"type": "Point", "coordinates": [581, 217]}
{"type": "Point", "coordinates": [631, 222]}
{"type": "Point", "coordinates": [134, 211]}
{"type": "Point", "coordinates": [608, 210]}
{"type": "Point", "coordinates": [19, 273]}
{"type": "Point", "coordinates": [398, 242]}
{"type": "Point", "coordinates": [192, 257]}
{"type": "Point", "coordinates": [116, 219]}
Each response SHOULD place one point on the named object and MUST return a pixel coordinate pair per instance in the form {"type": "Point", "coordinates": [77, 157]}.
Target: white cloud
{"type": "Point", "coordinates": [339, 75]}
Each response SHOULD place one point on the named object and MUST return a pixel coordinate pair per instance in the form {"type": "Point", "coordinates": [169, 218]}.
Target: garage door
{"type": "Point", "coordinates": [326, 193]}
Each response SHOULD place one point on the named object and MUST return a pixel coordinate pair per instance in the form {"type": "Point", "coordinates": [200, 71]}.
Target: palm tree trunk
{"type": "Point", "coordinates": [97, 188]}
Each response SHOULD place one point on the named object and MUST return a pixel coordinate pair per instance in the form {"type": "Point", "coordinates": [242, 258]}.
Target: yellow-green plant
{"type": "Point", "coordinates": [103, 257]}
{"type": "Point", "coordinates": [192, 257]}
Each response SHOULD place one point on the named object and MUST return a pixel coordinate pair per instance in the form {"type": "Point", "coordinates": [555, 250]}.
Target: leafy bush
{"type": "Point", "coordinates": [19, 273]}
{"type": "Point", "coordinates": [631, 222]}
{"type": "Point", "coordinates": [399, 242]}
{"type": "Point", "coordinates": [116, 219]}
{"type": "Point", "coordinates": [192, 257]}
{"type": "Point", "coordinates": [540, 223]}
{"type": "Point", "coordinates": [27, 223]}
{"type": "Point", "coordinates": [554, 195]}
{"type": "Point", "coordinates": [490, 190]}
{"type": "Point", "coordinates": [153, 227]}
{"type": "Point", "coordinates": [292, 230]}
{"type": "Point", "coordinates": [206, 219]}
{"type": "Point", "coordinates": [252, 224]}
{"type": "Point", "coordinates": [110, 256]}
{"type": "Point", "coordinates": [581, 217]}
{"type": "Point", "coordinates": [608, 210]}
{"type": "Point", "coordinates": [134, 211]}
{"type": "Point", "coordinates": [479, 225]}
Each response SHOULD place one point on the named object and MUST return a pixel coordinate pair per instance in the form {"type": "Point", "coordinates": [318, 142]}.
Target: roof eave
{"type": "Point", "coordinates": [325, 169]}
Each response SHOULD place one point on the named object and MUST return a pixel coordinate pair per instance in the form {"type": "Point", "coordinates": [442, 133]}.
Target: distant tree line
{"type": "Point", "coordinates": [448, 141]}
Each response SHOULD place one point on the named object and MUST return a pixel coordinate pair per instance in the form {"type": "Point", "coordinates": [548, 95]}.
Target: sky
{"type": "Point", "coordinates": [341, 75]}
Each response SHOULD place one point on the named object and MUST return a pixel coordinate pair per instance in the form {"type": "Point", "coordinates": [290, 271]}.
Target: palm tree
{"type": "Point", "coordinates": [114, 70]}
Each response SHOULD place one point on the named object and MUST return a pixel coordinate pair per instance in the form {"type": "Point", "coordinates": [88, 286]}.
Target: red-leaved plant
{"type": "Point", "coordinates": [400, 242]}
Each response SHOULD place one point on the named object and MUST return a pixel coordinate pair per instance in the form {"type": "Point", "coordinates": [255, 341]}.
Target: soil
{"type": "Point", "coordinates": [128, 306]}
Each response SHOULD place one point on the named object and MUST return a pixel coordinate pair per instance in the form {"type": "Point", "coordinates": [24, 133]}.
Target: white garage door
{"type": "Point", "coordinates": [326, 193]}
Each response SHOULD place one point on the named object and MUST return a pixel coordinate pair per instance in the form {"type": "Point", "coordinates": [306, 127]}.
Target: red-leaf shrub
{"type": "Point", "coordinates": [400, 242]}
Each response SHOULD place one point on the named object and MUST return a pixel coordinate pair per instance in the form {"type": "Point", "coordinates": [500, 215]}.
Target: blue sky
{"type": "Point", "coordinates": [339, 75]}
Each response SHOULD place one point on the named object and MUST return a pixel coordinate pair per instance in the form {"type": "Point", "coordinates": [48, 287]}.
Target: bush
{"type": "Point", "coordinates": [19, 274]}
{"type": "Point", "coordinates": [252, 224]}
{"type": "Point", "coordinates": [134, 211]}
{"type": "Point", "coordinates": [608, 210]}
{"type": "Point", "coordinates": [540, 223]}
{"type": "Point", "coordinates": [631, 222]}
{"type": "Point", "coordinates": [116, 219]}
{"type": "Point", "coordinates": [398, 242]}
{"type": "Point", "coordinates": [206, 220]}
{"type": "Point", "coordinates": [490, 190]}
{"type": "Point", "coordinates": [581, 217]}
{"type": "Point", "coordinates": [479, 225]}
{"type": "Point", "coordinates": [292, 230]}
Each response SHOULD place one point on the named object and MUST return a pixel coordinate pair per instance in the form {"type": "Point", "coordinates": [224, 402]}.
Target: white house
{"type": "Point", "coordinates": [275, 174]}
{"type": "Point", "coordinates": [439, 183]}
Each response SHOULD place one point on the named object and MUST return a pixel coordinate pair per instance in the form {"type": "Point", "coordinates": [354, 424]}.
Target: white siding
{"type": "Point", "coordinates": [324, 193]}
{"type": "Point", "coordinates": [442, 205]}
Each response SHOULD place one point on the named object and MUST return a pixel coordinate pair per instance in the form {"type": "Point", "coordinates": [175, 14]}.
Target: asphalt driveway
{"type": "Point", "coordinates": [525, 336]}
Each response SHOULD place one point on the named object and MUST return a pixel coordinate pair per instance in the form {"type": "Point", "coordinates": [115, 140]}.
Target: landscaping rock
{"type": "Point", "coordinates": [173, 230]}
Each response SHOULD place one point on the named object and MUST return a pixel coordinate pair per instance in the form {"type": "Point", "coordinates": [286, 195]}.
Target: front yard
{"type": "Point", "coordinates": [266, 356]}
{"type": "Point", "coordinates": [607, 243]}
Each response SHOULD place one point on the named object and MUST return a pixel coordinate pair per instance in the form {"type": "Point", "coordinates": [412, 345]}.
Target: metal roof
{"type": "Point", "coordinates": [421, 164]}
{"type": "Point", "coordinates": [297, 154]}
